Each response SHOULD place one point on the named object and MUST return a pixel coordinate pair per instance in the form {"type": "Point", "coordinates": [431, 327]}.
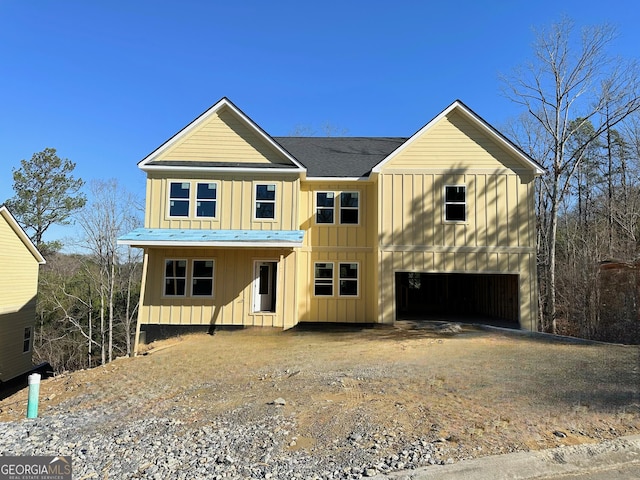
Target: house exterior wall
{"type": "Point", "coordinates": [338, 243]}
{"type": "Point", "coordinates": [233, 289]}
{"type": "Point", "coordinates": [235, 203]}
{"type": "Point", "coordinates": [497, 235]}
{"type": "Point", "coordinates": [18, 289]}
{"type": "Point", "coordinates": [223, 138]}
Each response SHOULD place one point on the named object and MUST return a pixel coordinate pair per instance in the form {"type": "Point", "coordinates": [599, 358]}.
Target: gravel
{"type": "Point", "coordinates": [224, 448]}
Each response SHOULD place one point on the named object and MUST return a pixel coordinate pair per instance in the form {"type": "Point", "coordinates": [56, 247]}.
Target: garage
{"type": "Point", "coordinates": [459, 295]}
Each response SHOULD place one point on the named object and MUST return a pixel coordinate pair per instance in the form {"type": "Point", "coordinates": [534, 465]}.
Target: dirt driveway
{"type": "Point", "coordinates": [476, 392]}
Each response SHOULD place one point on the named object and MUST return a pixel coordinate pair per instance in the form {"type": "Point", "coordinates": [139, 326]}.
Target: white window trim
{"type": "Point", "coordinates": [357, 280]}
{"type": "Point", "coordinates": [315, 216]}
{"type": "Point", "coordinates": [350, 208]}
{"type": "Point", "coordinates": [188, 199]}
{"type": "Point", "coordinates": [192, 277]}
{"type": "Point", "coordinates": [256, 201]}
{"type": "Point", "coordinates": [337, 208]}
{"type": "Point", "coordinates": [164, 277]}
{"type": "Point", "coordinates": [195, 200]}
{"type": "Point", "coordinates": [333, 281]}
{"type": "Point", "coordinates": [445, 203]}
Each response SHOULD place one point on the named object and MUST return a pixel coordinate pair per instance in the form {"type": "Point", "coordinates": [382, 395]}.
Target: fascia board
{"type": "Point", "coordinates": [479, 122]}
{"type": "Point", "coordinates": [15, 226]}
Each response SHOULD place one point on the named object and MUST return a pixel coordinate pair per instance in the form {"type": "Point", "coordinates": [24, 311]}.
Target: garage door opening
{"type": "Point", "coordinates": [457, 296]}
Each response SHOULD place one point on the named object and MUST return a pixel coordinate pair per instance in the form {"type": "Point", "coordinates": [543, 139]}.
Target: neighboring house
{"type": "Point", "coordinates": [242, 228]}
{"type": "Point", "coordinates": [19, 262]}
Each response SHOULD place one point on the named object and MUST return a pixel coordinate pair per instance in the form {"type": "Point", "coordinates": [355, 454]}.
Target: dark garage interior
{"type": "Point", "coordinates": [457, 296]}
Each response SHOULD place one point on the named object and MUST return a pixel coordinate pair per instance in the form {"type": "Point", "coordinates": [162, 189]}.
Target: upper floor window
{"type": "Point", "coordinates": [179, 199]}
{"type": "Point", "coordinates": [349, 207]}
{"type": "Point", "coordinates": [206, 199]}
{"type": "Point", "coordinates": [455, 203]}
{"type": "Point", "coordinates": [325, 206]}
{"type": "Point", "coordinates": [265, 201]}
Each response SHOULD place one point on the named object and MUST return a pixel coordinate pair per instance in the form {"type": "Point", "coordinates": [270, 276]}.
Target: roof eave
{"type": "Point", "coordinates": [172, 168]}
{"type": "Point", "coordinates": [178, 243]}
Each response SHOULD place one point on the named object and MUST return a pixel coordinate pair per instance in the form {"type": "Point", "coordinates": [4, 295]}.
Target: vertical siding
{"type": "Point", "coordinates": [412, 210]}
{"type": "Point", "coordinates": [235, 205]}
{"type": "Point", "coordinates": [232, 303]}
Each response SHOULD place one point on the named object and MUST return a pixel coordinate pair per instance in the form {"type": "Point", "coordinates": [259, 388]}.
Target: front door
{"type": "Point", "coordinates": [264, 287]}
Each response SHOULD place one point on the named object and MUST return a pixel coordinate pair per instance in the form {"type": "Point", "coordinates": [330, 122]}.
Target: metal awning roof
{"type": "Point", "coordinates": [172, 237]}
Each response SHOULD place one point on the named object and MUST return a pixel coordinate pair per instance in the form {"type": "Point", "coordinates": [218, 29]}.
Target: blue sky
{"type": "Point", "coordinates": [106, 82]}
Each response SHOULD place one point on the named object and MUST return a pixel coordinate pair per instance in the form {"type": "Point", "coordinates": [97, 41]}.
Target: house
{"type": "Point", "coordinates": [242, 228]}
{"type": "Point", "coordinates": [19, 263]}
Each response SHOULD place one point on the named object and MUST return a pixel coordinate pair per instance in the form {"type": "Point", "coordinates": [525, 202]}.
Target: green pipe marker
{"type": "Point", "coordinates": [34, 393]}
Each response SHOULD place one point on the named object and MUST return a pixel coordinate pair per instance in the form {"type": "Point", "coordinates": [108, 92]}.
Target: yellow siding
{"type": "Point", "coordinates": [454, 143]}
{"type": "Point", "coordinates": [235, 203]}
{"type": "Point", "coordinates": [362, 235]}
{"type": "Point", "coordinates": [232, 302]}
{"type": "Point", "coordinates": [18, 271]}
{"type": "Point", "coordinates": [412, 210]}
{"type": "Point", "coordinates": [360, 309]}
{"type": "Point", "coordinates": [18, 288]}
{"type": "Point", "coordinates": [223, 137]}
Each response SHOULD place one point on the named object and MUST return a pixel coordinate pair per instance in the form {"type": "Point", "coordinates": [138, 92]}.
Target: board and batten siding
{"type": "Point", "coordinates": [235, 203]}
{"type": "Point", "coordinates": [338, 243]}
{"type": "Point", "coordinates": [223, 137]}
{"type": "Point", "coordinates": [232, 300]}
{"type": "Point", "coordinates": [498, 235]}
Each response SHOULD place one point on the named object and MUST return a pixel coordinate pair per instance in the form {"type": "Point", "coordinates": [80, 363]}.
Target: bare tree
{"type": "Point", "coordinates": [111, 213]}
{"type": "Point", "coordinates": [569, 80]}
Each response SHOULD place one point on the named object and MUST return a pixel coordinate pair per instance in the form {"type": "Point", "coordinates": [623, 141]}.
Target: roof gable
{"type": "Point", "coordinates": [20, 233]}
{"type": "Point", "coordinates": [476, 122]}
{"type": "Point", "coordinates": [222, 137]}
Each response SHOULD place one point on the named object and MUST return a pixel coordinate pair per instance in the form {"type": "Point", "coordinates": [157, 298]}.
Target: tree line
{"type": "Point", "coordinates": [580, 121]}
{"type": "Point", "coordinates": [87, 301]}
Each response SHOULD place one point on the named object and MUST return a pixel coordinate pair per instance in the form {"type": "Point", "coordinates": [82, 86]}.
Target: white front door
{"type": "Point", "coordinates": [264, 287]}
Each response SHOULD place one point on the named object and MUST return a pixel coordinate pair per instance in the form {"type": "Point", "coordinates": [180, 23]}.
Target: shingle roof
{"type": "Point", "coordinates": [339, 156]}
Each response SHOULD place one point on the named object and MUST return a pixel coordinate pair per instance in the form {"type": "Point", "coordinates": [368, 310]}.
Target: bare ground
{"type": "Point", "coordinates": [478, 392]}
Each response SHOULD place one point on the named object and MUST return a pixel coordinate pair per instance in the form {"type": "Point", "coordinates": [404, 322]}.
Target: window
{"type": "Point", "coordinates": [455, 207]}
{"type": "Point", "coordinates": [202, 278]}
{"type": "Point", "coordinates": [325, 206]}
{"type": "Point", "coordinates": [175, 278]}
{"type": "Point", "coordinates": [266, 201]}
{"type": "Point", "coordinates": [26, 344]}
{"type": "Point", "coordinates": [323, 279]}
{"type": "Point", "coordinates": [349, 207]}
{"type": "Point", "coordinates": [348, 279]}
{"type": "Point", "coordinates": [206, 199]}
{"type": "Point", "coordinates": [179, 199]}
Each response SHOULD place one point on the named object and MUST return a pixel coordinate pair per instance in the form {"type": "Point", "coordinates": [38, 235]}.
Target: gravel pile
{"type": "Point", "coordinates": [224, 448]}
